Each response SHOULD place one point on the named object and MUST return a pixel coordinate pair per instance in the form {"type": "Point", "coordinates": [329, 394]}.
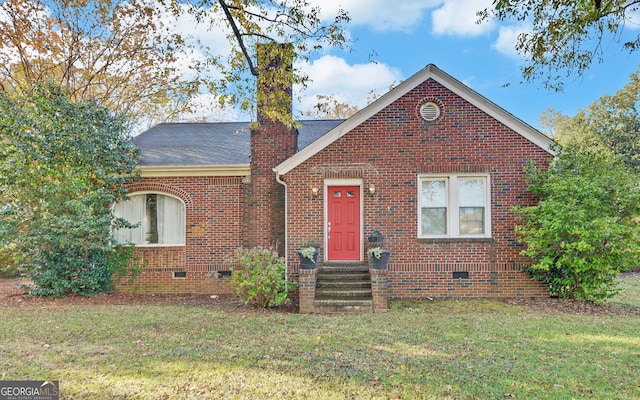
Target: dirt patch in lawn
{"type": "Point", "coordinates": [581, 307]}
{"type": "Point", "coordinates": [13, 295]}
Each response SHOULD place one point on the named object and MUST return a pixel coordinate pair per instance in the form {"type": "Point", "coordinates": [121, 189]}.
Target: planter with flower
{"type": "Point", "coordinates": [308, 257]}
{"type": "Point", "coordinates": [379, 257]}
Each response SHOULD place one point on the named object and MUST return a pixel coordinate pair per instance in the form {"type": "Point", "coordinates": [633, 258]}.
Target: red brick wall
{"type": "Point", "coordinates": [214, 226]}
{"type": "Point", "coordinates": [264, 212]}
{"type": "Point", "coordinates": [390, 150]}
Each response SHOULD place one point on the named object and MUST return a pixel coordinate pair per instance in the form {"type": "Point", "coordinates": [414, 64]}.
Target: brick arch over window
{"type": "Point", "coordinates": [164, 188]}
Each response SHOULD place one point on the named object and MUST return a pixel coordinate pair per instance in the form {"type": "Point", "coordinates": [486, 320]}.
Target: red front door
{"type": "Point", "coordinates": [343, 223]}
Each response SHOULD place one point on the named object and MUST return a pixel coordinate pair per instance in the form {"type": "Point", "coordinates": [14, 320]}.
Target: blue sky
{"type": "Point", "coordinates": [393, 39]}
{"type": "Point", "coordinates": [404, 36]}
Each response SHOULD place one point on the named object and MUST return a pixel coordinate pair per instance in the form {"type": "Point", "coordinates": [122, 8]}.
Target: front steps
{"type": "Point", "coordinates": [343, 289]}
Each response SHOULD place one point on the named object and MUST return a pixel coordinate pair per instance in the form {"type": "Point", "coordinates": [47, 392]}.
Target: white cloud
{"type": "Point", "coordinates": [507, 39]}
{"type": "Point", "coordinates": [379, 15]}
{"type": "Point", "coordinates": [349, 84]}
{"type": "Point", "coordinates": [210, 35]}
{"type": "Point", "coordinates": [459, 18]}
{"type": "Point", "coordinates": [207, 108]}
{"type": "Point", "coordinates": [632, 20]}
{"type": "Point", "coordinates": [448, 17]}
{"type": "Point", "coordinates": [198, 35]}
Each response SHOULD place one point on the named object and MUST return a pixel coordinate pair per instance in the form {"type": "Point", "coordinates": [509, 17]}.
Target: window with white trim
{"type": "Point", "coordinates": [454, 206]}
{"type": "Point", "coordinates": [159, 219]}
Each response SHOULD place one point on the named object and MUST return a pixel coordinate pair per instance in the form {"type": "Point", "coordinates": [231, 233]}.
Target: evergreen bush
{"type": "Point", "coordinates": [584, 231]}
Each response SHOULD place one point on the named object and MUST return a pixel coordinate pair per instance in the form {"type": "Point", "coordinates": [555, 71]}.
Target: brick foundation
{"type": "Point", "coordinates": [462, 281]}
{"type": "Point", "coordinates": [162, 281]}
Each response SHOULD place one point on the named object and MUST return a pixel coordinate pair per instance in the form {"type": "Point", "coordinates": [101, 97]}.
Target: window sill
{"type": "Point", "coordinates": [159, 245]}
{"type": "Point", "coordinates": [456, 240]}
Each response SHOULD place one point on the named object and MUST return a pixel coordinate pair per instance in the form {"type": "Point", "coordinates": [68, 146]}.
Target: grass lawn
{"type": "Point", "coordinates": [629, 291]}
{"type": "Point", "coordinates": [430, 350]}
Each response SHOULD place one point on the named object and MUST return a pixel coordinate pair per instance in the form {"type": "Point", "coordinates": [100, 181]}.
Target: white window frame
{"type": "Point", "coordinates": [452, 189]}
{"type": "Point", "coordinates": [182, 228]}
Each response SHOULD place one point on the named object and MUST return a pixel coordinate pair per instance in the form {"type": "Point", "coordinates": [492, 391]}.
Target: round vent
{"type": "Point", "coordinates": [429, 111]}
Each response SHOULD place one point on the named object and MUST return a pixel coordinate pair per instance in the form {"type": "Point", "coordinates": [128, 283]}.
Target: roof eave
{"type": "Point", "coordinates": [195, 170]}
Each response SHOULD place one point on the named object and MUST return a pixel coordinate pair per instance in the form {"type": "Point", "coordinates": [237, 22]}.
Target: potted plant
{"type": "Point", "coordinates": [379, 257]}
{"type": "Point", "coordinates": [308, 257]}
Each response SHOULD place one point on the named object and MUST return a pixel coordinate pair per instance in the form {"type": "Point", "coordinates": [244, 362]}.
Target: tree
{"type": "Point", "coordinates": [128, 56]}
{"type": "Point", "coordinates": [585, 230]}
{"type": "Point", "coordinates": [328, 107]}
{"type": "Point", "coordinates": [612, 123]}
{"type": "Point", "coordinates": [62, 163]}
{"type": "Point", "coordinates": [271, 21]}
{"type": "Point", "coordinates": [566, 36]}
{"type": "Point", "coordinates": [550, 121]}
{"type": "Point", "coordinates": [116, 52]}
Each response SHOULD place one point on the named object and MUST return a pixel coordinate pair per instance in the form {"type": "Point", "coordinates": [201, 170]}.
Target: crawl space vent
{"type": "Point", "coordinates": [461, 275]}
{"type": "Point", "coordinates": [429, 111]}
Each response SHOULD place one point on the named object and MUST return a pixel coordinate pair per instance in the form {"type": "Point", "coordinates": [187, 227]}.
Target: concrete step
{"type": "Point", "coordinates": [343, 293]}
{"type": "Point", "coordinates": [344, 284]}
{"type": "Point", "coordinates": [335, 306]}
{"type": "Point", "coordinates": [343, 273]}
{"type": "Point", "coordinates": [343, 289]}
{"type": "Point", "coordinates": [346, 277]}
{"type": "Point", "coordinates": [344, 268]}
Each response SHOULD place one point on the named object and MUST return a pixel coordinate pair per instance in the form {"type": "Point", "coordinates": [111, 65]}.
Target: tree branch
{"type": "Point", "coordinates": [278, 19]}
{"type": "Point", "coordinates": [238, 36]}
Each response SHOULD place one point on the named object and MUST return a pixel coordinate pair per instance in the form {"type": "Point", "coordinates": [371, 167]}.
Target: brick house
{"type": "Point", "coordinates": [432, 165]}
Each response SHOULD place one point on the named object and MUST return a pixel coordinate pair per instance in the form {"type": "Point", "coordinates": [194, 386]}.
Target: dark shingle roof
{"type": "Point", "coordinates": [211, 143]}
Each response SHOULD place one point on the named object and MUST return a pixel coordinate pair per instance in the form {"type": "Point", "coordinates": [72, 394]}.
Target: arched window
{"type": "Point", "coordinates": [160, 219]}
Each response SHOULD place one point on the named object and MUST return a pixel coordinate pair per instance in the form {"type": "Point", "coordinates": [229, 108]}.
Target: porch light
{"type": "Point", "coordinates": [372, 188]}
{"type": "Point", "coordinates": [314, 192]}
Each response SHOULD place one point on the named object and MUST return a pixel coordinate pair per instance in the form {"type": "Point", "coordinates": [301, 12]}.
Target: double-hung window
{"type": "Point", "coordinates": [454, 206]}
{"type": "Point", "coordinates": [159, 220]}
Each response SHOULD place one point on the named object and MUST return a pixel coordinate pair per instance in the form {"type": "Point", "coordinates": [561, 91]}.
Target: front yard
{"type": "Point", "coordinates": [187, 348]}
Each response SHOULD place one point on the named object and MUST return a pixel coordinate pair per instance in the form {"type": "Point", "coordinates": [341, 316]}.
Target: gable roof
{"type": "Point", "coordinates": [220, 144]}
{"type": "Point", "coordinates": [429, 72]}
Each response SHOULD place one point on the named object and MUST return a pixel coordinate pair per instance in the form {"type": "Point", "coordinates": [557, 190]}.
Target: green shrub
{"type": "Point", "coordinates": [8, 266]}
{"type": "Point", "coordinates": [123, 262]}
{"type": "Point", "coordinates": [62, 163]}
{"type": "Point", "coordinates": [260, 277]}
{"type": "Point", "coordinates": [80, 272]}
{"type": "Point", "coordinates": [584, 231]}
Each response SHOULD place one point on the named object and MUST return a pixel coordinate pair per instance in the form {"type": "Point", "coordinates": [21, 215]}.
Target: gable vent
{"type": "Point", "coordinates": [429, 111]}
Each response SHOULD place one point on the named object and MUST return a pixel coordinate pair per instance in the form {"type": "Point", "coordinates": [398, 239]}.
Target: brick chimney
{"type": "Point", "coordinates": [271, 143]}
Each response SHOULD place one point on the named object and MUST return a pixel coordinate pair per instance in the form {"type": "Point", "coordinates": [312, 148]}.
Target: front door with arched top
{"type": "Point", "coordinates": [343, 223]}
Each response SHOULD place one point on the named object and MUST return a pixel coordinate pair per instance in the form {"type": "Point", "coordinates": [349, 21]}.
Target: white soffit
{"type": "Point", "coordinates": [195, 170]}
